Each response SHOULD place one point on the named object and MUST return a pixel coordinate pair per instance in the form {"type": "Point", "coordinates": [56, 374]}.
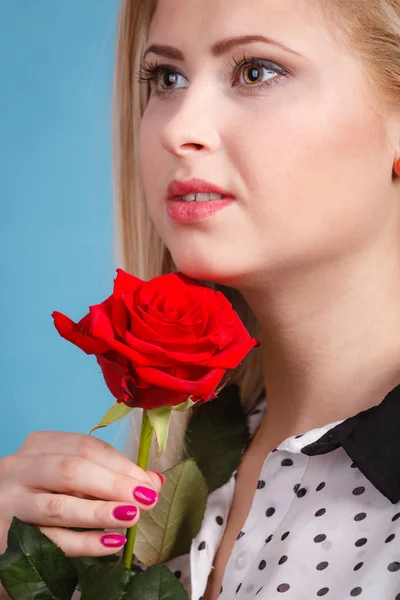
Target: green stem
{"type": "Point", "coordinates": [143, 459]}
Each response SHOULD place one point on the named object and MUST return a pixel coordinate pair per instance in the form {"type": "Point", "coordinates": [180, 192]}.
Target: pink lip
{"type": "Point", "coordinates": [194, 186]}
{"type": "Point", "coordinates": [194, 212]}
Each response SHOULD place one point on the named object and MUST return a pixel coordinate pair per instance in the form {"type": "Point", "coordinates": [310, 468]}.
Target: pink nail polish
{"type": "Point", "coordinates": [145, 495]}
{"type": "Point", "coordinates": [125, 513]}
{"type": "Point", "coordinates": [113, 540]}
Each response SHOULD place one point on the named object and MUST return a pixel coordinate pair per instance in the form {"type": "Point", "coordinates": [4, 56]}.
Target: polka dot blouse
{"type": "Point", "coordinates": [325, 520]}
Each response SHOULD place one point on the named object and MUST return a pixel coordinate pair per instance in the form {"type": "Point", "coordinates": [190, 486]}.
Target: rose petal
{"type": "Point", "coordinates": [119, 317]}
{"type": "Point", "coordinates": [76, 333]}
{"type": "Point", "coordinates": [220, 314]}
{"type": "Point", "coordinates": [231, 356]}
{"type": "Point", "coordinates": [203, 387]}
{"type": "Point", "coordinates": [155, 397]}
{"type": "Point", "coordinates": [141, 329]}
{"type": "Point", "coordinates": [187, 346]}
{"type": "Point", "coordinates": [113, 374]}
{"type": "Point", "coordinates": [151, 289]}
{"type": "Point", "coordinates": [179, 304]}
{"type": "Point", "coordinates": [100, 324]}
{"type": "Point", "coordinates": [139, 359]}
{"type": "Point", "coordinates": [159, 356]}
{"type": "Point", "coordinates": [125, 283]}
{"type": "Point", "coordinates": [164, 328]}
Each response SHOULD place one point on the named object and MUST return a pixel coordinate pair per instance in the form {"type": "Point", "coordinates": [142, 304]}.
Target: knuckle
{"type": "Point", "coordinates": [69, 468]}
{"type": "Point", "coordinates": [87, 544]}
{"type": "Point", "coordinates": [33, 439]}
{"type": "Point", "coordinates": [54, 508]}
{"type": "Point", "coordinates": [85, 446]}
{"type": "Point", "coordinates": [9, 496]}
{"type": "Point", "coordinates": [33, 436]}
{"type": "Point", "coordinates": [7, 465]}
{"type": "Point", "coordinates": [120, 488]}
{"type": "Point", "coordinates": [100, 513]}
{"type": "Point", "coordinates": [141, 475]}
{"type": "Point", "coordinates": [102, 445]}
{"type": "Point", "coordinates": [88, 446]}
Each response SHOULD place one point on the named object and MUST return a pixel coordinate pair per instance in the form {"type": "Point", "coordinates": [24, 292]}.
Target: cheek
{"type": "Point", "coordinates": [148, 158]}
{"type": "Point", "coordinates": [318, 171]}
{"type": "Point", "coordinates": [152, 164]}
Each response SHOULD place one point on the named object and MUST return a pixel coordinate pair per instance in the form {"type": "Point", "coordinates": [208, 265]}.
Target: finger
{"type": "Point", "coordinates": [58, 510]}
{"type": "Point", "coordinates": [90, 543]}
{"type": "Point", "coordinates": [92, 448]}
{"type": "Point", "coordinates": [78, 475]}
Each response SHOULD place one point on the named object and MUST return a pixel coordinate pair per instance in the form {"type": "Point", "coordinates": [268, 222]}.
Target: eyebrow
{"type": "Point", "coordinates": [219, 48]}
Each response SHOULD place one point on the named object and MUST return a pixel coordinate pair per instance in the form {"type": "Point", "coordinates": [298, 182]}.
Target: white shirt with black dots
{"type": "Point", "coordinates": [317, 528]}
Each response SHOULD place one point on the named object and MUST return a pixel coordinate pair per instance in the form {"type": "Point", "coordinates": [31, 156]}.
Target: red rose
{"type": "Point", "coordinates": [161, 341]}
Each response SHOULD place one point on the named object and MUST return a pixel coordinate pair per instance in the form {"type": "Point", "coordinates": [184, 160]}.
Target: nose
{"type": "Point", "coordinates": [192, 128]}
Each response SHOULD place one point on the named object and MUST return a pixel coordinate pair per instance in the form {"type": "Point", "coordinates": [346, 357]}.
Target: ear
{"type": "Point", "coordinates": [396, 164]}
{"type": "Point", "coordinates": [396, 147]}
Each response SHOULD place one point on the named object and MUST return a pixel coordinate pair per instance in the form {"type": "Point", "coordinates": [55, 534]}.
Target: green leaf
{"type": "Point", "coordinates": [119, 583]}
{"type": "Point", "coordinates": [168, 529]}
{"type": "Point", "coordinates": [82, 564]}
{"type": "Point", "coordinates": [216, 437]}
{"type": "Point", "coordinates": [159, 420]}
{"type": "Point", "coordinates": [34, 568]}
{"type": "Point", "coordinates": [184, 405]}
{"type": "Point", "coordinates": [157, 583]}
{"type": "Point", "coordinates": [107, 582]}
{"type": "Point", "coordinates": [117, 412]}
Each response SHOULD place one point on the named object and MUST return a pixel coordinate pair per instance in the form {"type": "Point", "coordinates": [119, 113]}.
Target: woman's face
{"type": "Point", "coordinates": [295, 136]}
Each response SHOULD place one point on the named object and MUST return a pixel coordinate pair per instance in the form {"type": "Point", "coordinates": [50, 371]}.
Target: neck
{"type": "Point", "coordinates": [330, 340]}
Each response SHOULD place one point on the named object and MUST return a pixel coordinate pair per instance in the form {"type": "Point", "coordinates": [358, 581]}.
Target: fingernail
{"type": "Point", "coordinates": [113, 540]}
{"type": "Point", "coordinates": [145, 495]}
{"type": "Point", "coordinates": [125, 513]}
{"type": "Point", "coordinates": [161, 476]}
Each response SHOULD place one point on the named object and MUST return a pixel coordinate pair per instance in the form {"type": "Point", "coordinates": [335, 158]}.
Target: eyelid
{"type": "Point", "coordinates": [267, 64]}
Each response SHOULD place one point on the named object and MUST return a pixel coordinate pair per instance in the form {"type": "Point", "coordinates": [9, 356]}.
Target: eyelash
{"type": "Point", "coordinates": [148, 72]}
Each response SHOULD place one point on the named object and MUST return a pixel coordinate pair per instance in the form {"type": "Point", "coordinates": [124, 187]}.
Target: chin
{"type": "Point", "coordinates": [196, 271]}
{"type": "Point", "coordinates": [206, 270]}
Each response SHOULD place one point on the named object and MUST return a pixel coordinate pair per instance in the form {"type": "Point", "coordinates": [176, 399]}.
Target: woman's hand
{"type": "Point", "coordinates": [58, 480]}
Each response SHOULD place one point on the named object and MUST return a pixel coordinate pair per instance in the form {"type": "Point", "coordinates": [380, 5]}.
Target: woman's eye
{"type": "Point", "coordinates": [160, 78]}
{"type": "Point", "coordinates": [168, 80]}
{"type": "Point", "coordinates": [253, 74]}
{"type": "Point", "coordinates": [250, 73]}
{"type": "Point", "coordinates": [256, 73]}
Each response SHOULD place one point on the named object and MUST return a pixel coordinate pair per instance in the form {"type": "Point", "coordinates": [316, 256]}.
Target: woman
{"type": "Point", "coordinates": [289, 112]}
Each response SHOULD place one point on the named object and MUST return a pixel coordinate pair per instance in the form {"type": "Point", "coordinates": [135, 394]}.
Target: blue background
{"type": "Point", "coordinates": [56, 212]}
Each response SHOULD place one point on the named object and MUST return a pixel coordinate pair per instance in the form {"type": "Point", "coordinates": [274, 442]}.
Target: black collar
{"type": "Point", "coordinates": [372, 440]}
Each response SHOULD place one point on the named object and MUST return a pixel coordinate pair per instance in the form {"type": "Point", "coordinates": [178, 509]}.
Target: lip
{"type": "Point", "coordinates": [195, 212]}
{"type": "Point", "coordinates": [194, 186]}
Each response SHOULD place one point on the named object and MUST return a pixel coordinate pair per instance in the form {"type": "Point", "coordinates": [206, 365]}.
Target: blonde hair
{"type": "Point", "coordinates": [371, 27]}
